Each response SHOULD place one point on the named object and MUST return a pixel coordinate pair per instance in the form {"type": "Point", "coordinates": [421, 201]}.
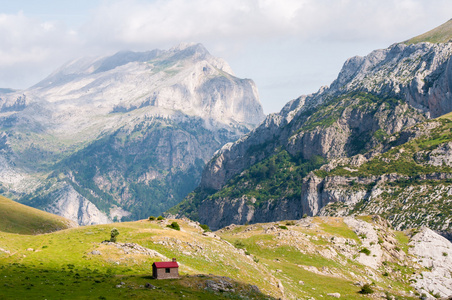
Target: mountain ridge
{"type": "Point", "coordinates": [270, 173]}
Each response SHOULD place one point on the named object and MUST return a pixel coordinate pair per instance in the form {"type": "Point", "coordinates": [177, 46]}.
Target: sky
{"type": "Point", "coordinates": [288, 47]}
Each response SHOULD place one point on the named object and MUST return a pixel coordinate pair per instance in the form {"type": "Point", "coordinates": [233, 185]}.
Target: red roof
{"type": "Point", "coordinates": [166, 264]}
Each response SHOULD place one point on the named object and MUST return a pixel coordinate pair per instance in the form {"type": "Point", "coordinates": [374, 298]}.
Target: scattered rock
{"type": "Point", "coordinates": [149, 286]}
{"type": "Point", "coordinates": [30, 249]}
{"type": "Point", "coordinates": [335, 295]}
{"type": "Point", "coordinates": [95, 252]}
{"type": "Point", "coordinates": [132, 248]}
{"type": "Point", "coordinates": [221, 285]}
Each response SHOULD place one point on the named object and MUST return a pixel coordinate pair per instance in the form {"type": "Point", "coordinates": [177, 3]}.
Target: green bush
{"type": "Point", "coordinates": [283, 227]}
{"type": "Point", "coordinates": [114, 233]}
{"type": "Point", "coordinates": [174, 226]}
{"type": "Point", "coordinates": [366, 289]}
{"type": "Point", "coordinates": [205, 227]}
{"type": "Point", "coordinates": [160, 218]}
{"type": "Point", "coordinates": [239, 245]}
{"type": "Point", "coordinates": [151, 218]}
{"type": "Point", "coordinates": [365, 251]}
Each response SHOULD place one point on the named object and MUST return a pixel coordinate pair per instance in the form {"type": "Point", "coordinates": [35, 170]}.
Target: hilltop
{"type": "Point", "coordinates": [22, 219]}
{"type": "Point", "coordinates": [440, 34]}
{"type": "Point", "coordinates": [311, 257]}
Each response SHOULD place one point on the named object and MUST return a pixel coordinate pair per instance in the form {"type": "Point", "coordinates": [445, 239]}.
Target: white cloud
{"type": "Point", "coordinates": [28, 48]}
{"type": "Point", "coordinates": [250, 34]}
{"type": "Point", "coordinates": [143, 22]}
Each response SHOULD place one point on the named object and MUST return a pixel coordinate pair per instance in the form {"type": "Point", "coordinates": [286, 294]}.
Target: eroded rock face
{"type": "Point", "coordinates": [435, 252]}
{"type": "Point", "coordinates": [71, 205]}
{"type": "Point", "coordinates": [389, 72]}
{"type": "Point", "coordinates": [407, 84]}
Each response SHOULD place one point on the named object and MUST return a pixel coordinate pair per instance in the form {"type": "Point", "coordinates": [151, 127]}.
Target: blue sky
{"type": "Point", "coordinates": [288, 47]}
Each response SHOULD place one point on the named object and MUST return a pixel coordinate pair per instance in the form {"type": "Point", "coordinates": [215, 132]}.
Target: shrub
{"type": "Point", "coordinates": [114, 233]}
{"type": "Point", "coordinates": [174, 226]}
{"type": "Point", "coordinates": [366, 289]}
{"type": "Point", "coordinates": [283, 227]}
{"type": "Point", "coordinates": [444, 254]}
{"type": "Point", "coordinates": [365, 251]}
{"type": "Point", "coordinates": [290, 223]}
{"type": "Point", "coordinates": [151, 218]}
{"type": "Point", "coordinates": [160, 218]}
{"type": "Point", "coordinates": [239, 245]}
{"type": "Point", "coordinates": [205, 227]}
{"type": "Point", "coordinates": [305, 216]}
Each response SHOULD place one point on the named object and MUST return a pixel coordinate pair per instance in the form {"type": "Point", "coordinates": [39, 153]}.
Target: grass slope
{"type": "Point", "coordinates": [440, 34]}
{"type": "Point", "coordinates": [22, 219]}
{"type": "Point", "coordinates": [301, 261]}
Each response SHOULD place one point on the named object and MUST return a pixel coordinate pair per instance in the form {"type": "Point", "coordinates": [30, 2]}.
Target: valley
{"type": "Point", "coordinates": [311, 257]}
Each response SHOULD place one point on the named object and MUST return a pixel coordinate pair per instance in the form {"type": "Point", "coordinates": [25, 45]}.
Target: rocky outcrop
{"type": "Point", "coordinates": [71, 205]}
{"type": "Point", "coordinates": [434, 253]}
{"type": "Point", "coordinates": [224, 211]}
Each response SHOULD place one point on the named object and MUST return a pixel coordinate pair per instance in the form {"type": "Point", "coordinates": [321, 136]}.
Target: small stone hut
{"type": "Point", "coordinates": [165, 269]}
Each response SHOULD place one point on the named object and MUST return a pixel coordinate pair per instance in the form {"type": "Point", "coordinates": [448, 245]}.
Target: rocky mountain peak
{"type": "Point", "coordinates": [124, 135]}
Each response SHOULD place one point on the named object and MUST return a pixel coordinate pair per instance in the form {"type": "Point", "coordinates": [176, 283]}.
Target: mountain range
{"type": "Point", "coordinates": [121, 137]}
{"type": "Point", "coordinates": [376, 141]}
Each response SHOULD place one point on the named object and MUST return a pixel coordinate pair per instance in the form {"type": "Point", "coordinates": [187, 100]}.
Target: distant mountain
{"type": "Point", "coordinates": [333, 148]}
{"type": "Point", "coordinates": [123, 136]}
{"type": "Point", "coordinates": [19, 218]}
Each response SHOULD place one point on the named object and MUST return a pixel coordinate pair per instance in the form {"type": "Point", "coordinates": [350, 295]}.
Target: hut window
{"type": "Point", "coordinates": [167, 270]}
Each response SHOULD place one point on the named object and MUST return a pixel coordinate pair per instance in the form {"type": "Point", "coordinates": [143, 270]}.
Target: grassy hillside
{"type": "Point", "coordinates": [22, 219]}
{"type": "Point", "coordinates": [297, 259]}
{"type": "Point", "coordinates": [440, 34]}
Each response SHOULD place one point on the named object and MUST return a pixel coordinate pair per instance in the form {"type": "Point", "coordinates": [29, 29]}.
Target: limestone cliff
{"type": "Point", "coordinates": [266, 175]}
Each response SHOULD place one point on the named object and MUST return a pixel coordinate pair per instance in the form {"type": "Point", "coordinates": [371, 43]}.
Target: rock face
{"type": "Point", "coordinates": [122, 136]}
{"type": "Point", "coordinates": [434, 252]}
{"type": "Point", "coordinates": [392, 72]}
{"type": "Point", "coordinates": [71, 205]}
{"type": "Point", "coordinates": [368, 109]}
